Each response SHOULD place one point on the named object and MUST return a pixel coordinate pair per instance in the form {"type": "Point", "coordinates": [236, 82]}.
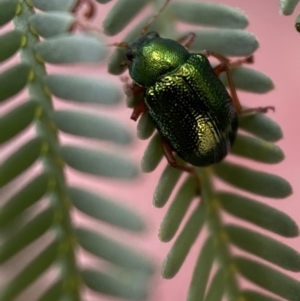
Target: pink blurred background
{"type": "Point", "coordinates": [279, 58]}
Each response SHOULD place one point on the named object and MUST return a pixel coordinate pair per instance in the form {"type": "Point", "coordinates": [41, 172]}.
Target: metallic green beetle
{"type": "Point", "coordinates": [187, 102]}
{"type": "Point", "coordinates": [189, 105]}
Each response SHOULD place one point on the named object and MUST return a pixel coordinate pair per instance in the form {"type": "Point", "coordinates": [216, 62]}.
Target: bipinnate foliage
{"type": "Point", "coordinates": [218, 270]}
{"type": "Point", "coordinates": [41, 210]}
{"type": "Point", "coordinates": [23, 221]}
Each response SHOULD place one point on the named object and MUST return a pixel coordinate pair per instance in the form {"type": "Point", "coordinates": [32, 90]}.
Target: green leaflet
{"type": "Point", "coordinates": [89, 125]}
{"type": "Point", "coordinates": [30, 273]}
{"type": "Point", "coordinates": [250, 80]}
{"type": "Point", "coordinates": [254, 181]}
{"type": "Point", "coordinates": [153, 154]}
{"type": "Point", "coordinates": [217, 287]}
{"type": "Point", "coordinates": [257, 149]}
{"type": "Point", "coordinates": [287, 6]}
{"type": "Point", "coordinates": [261, 126]}
{"type": "Point", "coordinates": [54, 5]}
{"type": "Point", "coordinates": [269, 278]}
{"type": "Point", "coordinates": [113, 24]}
{"type": "Point", "coordinates": [98, 163]}
{"type": "Point", "coordinates": [32, 230]}
{"type": "Point", "coordinates": [120, 284]}
{"type": "Point", "coordinates": [115, 61]}
{"type": "Point", "coordinates": [145, 127]}
{"type": "Point", "coordinates": [18, 162]}
{"type": "Point", "coordinates": [264, 247]}
{"type": "Point", "coordinates": [105, 209]}
{"type": "Point", "coordinates": [53, 292]}
{"type": "Point", "coordinates": [183, 243]}
{"type": "Point", "coordinates": [177, 210]}
{"type": "Point", "coordinates": [23, 199]}
{"type": "Point", "coordinates": [10, 43]}
{"type": "Point", "coordinates": [209, 14]}
{"type": "Point", "coordinates": [258, 213]}
{"type": "Point", "coordinates": [69, 49]}
{"type": "Point", "coordinates": [13, 80]}
{"type": "Point", "coordinates": [24, 114]}
{"type": "Point", "coordinates": [103, 1]}
{"type": "Point", "coordinates": [255, 296]}
{"type": "Point", "coordinates": [202, 271]}
{"type": "Point", "coordinates": [8, 9]}
{"type": "Point", "coordinates": [166, 185]}
{"type": "Point", "coordinates": [113, 251]}
{"type": "Point", "coordinates": [51, 24]}
{"type": "Point", "coordinates": [132, 100]}
{"type": "Point", "coordinates": [83, 89]}
{"type": "Point", "coordinates": [229, 42]}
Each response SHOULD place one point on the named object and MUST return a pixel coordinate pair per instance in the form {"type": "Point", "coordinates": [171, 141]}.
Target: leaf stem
{"type": "Point", "coordinates": [216, 228]}
{"type": "Point", "coordinates": [52, 163]}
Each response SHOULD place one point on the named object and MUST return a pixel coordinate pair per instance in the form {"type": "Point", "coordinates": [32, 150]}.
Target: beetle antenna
{"type": "Point", "coordinates": [120, 45]}
{"type": "Point", "coordinates": [146, 27]}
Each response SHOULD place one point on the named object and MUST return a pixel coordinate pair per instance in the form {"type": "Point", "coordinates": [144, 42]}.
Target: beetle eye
{"type": "Point", "coordinates": [153, 34]}
{"type": "Point", "coordinates": [129, 54]}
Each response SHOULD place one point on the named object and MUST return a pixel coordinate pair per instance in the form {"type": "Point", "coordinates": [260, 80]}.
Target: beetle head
{"type": "Point", "coordinates": [152, 56]}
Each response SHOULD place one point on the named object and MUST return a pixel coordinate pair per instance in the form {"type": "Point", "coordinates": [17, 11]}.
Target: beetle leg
{"type": "Point", "coordinates": [218, 56]}
{"type": "Point", "coordinates": [187, 40]}
{"type": "Point", "coordinates": [223, 59]}
{"type": "Point", "coordinates": [246, 60]}
{"type": "Point", "coordinates": [138, 110]}
{"type": "Point", "coordinates": [167, 150]}
{"type": "Point", "coordinates": [257, 110]}
{"type": "Point", "coordinates": [125, 64]}
{"type": "Point", "coordinates": [131, 89]}
{"type": "Point", "coordinates": [224, 67]}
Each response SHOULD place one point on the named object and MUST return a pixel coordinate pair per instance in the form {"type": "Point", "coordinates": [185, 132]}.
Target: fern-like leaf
{"type": "Point", "coordinates": [229, 38]}
{"type": "Point", "coordinates": [40, 209]}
